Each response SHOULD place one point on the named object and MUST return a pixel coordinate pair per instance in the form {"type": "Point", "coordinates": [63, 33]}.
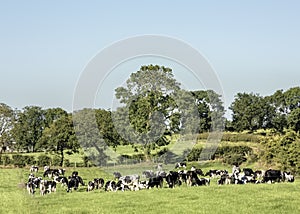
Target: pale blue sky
{"type": "Point", "coordinates": [254, 46]}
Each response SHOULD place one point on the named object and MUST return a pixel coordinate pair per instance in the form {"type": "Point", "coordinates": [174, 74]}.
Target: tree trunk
{"type": "Point", "coordinates": [61, 156]}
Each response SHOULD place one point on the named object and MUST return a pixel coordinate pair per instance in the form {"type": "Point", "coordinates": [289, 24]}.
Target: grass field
{"type": "Point", "coordinates": [250, 198]}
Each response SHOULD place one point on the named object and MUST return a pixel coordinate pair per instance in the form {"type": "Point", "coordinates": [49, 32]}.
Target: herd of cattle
{"type": "Point", "coordinates": [150, 179]}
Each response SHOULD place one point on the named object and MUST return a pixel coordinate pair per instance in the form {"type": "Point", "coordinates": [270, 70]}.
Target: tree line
{"type": "Point", "coordinates": [151, 98]}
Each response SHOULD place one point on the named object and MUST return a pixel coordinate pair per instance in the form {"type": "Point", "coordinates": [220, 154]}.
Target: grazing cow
{"type": "Point", "coordinates": [90, 186]}
{"type": "Point", "coordinates": [155, 182]}
{"type": "Point", "coordinates": [163, 174]}
{"type": "Point", "coordinates": [47, 187]}
{"type": "Point", "coordinates": [148, 174]}
{"type": "Point", "coordinates": [180, 165]}
{"type": "Point", "coordinates": [214, 173]}
{"type": "Point", "coordinates": [182, 176]}
{"type": "Point", "coordinates": [122, 186]}
{"type": "Point", "coordinates": [34, 169]}
{"type": "Point", "coordinates": [258, 174]}
{"type": "Point", "coordinates": [110, 186]}
{"type": "Point", "coordinates": [172, 179]}
{"type": "Point", "coordinates": [74, 182]}
{"type": "Point", "coordinates": [99, 183]}
{"type": "Point", "coordinates": [61, 179]}
{"type": "Point", "coordinates": [46, 168]}
{"type": "Point", "coordinates": [248, 172]}
{"type": "Point", "coordinates": [30, 186]}
{"type": "Point", "coordinates": [193, 180]}
{"type": "Point", "coordinates": [131, 181]}
{"type": "Point", "coordinates": [198, 171]}
{"type": "Point", "coordinates": [117, 175]}
{"type": "Point", "coordinates": [226, 179]}
{"type": "Point", "coordinates": [272, 176]}
{"type": "Point", "coordinates": [287, 176]}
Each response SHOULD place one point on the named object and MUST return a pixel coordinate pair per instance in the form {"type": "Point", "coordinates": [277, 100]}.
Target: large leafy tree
{"type": "Point", "coordinates": [153, 108]}
{"type": "Point", "coordinates": [148, 93]}
{"type": "Point", "coordinates": [90, 138]}
{"type": "Point", "coordinates": [60, 136]}
{"type": "Point", "coordinates": [210, 109]}
{"type": "Point", "coordinates": [29, 127]}
{"type": "Point", "coordinates": [250, 112]}
{"type": "Point", "coordinates": [7, 118]}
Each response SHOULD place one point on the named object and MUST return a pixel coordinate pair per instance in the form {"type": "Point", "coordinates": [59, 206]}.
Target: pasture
{"type": "Point", "coordinates": [249, 198]}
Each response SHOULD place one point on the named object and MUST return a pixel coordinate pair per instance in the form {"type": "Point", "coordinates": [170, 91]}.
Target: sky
{"type": "Point", "coordinates": [253, 46]}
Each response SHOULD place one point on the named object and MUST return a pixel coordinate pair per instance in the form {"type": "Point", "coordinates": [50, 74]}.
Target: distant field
{"type": "Point", "coordinates": [250, 198]}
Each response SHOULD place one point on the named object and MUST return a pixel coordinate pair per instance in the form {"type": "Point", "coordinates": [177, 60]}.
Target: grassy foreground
{"type": "Point", "coordinates": [262, 198]}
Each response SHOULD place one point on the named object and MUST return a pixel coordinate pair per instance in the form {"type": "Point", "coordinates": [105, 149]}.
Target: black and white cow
{"type": "Point", "coordinates": [248, 172]}
{"type": "Point", "coordinates": [148, 174]}
{"type": "Point", "coordinates": [272, 175]}
{"type": "Point", "coordinates": [194, 180]}
{"type": "Point", "coordinates": [61, 179]}
{"type": "Point", "coordinates": [47, 187]}
{"type": "Point", "coordinates": [117, 175]}
{"type": "Point", "coordinates": [34, 169]}
{"type": "Point", "coordinates": [215, 172]}
{"type": "Point", "coordinates": [155, 182]}
{"type": "Point", "coordinates": [73, 182]}
{"type": "Point", "coordinates": [180, 165]}
{"type": "Point", "coordinates": [288, 177]}
{"type": "Point", "coordinates": [99, 183]}
{"type": "Point", "coordinates": [110, 186]}
{"type": "Point", "coordinates": [172, 179]}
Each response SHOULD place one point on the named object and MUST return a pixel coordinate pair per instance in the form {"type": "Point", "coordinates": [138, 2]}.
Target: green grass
{"type": "Point", "coordinates": [250, 198]}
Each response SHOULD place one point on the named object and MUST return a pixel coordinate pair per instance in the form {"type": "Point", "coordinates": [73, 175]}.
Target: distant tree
{"type": "Point", "coordinates": [7, 118]}
{"type": "Point", "coordinates": [294, 120]}
{"type": "Point", "coordinates": [53, 114]}
{"type": "Point", "coordinates": [107, 129]}
{"type": "Point", "coordinates": [210, 109]}
{"type": "Point", "coordinates": [250, 112]}
{"type": "Point", "coordinates": [89, 136]}
{"type": "Point", "coordinates": [154, 108]}
{"type": "Point", "coordinates": [283, 149]}
{"type": "Point", "coordinates": [29, 127]}
{"type": "Point", "coordinates": [149, 103]}
{"type": "Point", "coordinates": [60, 136]}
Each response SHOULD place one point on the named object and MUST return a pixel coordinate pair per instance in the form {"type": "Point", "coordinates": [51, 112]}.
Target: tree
{"type": "Point", "coordinates": [210, 109]}
{"type": "Point", "coordinates": [294, 120]}
{"type": "Point", "coordinates": [6, 125]}
{"type": "Point", "coordinates": [283, 149]}
{"type": "Point", "coordinates": [89, 136]}
{"type": "Point", "coordinates": [250, 112]}
{"type": "Point", "coordinates": [29, 127]}
{"type": "Point", "coordinates": [154, 107]}
{"type": "Point", "coordinates": [60, 136]}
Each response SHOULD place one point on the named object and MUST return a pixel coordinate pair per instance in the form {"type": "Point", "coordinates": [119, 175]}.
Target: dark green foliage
{"type": "Point", "coordinates": [283, 150]}
{"type": "Point", "coordinates": [234, 137]}
{"type": "Point", "coordinates": [44, 160]}
{"type": "Point", "coordinates": [5, 160]}
{"type": "Point", "coordinates": [194, 154]}
{"type": "Point", "coordinates": [18, 160]}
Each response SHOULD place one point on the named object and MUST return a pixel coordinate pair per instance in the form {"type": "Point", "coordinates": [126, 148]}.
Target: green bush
{"type": "Point", "coordinates": [5, 160]}
{"type": "Point", "coordinates": [44, 160]}
{"type": "Point", "coordinates": [56, 161]}
{"type": "Point", "coordinates": [67, 163]}
{"type": "Point", "coordinates": [234, 159]}
{"type": "Point", "coordinates": [194, 154]}
{"type": "Point", "coordinates": [19, 160]}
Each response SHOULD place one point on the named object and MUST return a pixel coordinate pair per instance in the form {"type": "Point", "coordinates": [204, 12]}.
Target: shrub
{"type": "Point", "coordinates": [44, 160]}
{"type": "Point", "coordinates": [56, 161]}
{"type": "Point", "coordinates": [5, 160]}
{"type": "Point", "coordinates": [67, 163]}
{"type": "Point", "coordinates": [19, 160]}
